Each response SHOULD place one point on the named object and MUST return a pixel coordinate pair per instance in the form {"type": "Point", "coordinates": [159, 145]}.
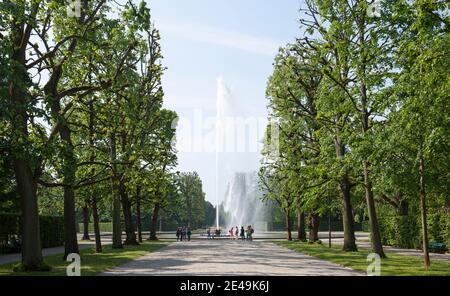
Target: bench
{"type": "Point", "coordinates": [438, 247]}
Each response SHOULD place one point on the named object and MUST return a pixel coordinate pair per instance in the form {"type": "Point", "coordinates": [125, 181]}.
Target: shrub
{"type": "Point", "coordinates": [400, 231]}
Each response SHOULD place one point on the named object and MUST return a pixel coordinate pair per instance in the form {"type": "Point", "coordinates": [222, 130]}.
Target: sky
{"type": "Point", "coordinates": [220, 51]}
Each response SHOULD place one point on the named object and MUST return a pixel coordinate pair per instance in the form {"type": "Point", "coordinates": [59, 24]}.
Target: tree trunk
{"type": "Point", "coordinates": [126, 203]}
{"type": "Point", "coordinates": [347, 211]}
{"type": "Point", "coordinates": [329, 229]}
{"type": "Point", "coordinates": [70, 229]}
{"type": "Point", "coordinates": [126, 207]}
{"type": "Point", "coordinates": [154, 223]}
{"type": "Point", "coordinates": [68, 171]}
{"type": "Point", "coordinates": [314, 227]}
{"type": "Point", "coordinates": [138, 213]}
{"type": "Point", "coordinates": [301, 226]}
{"type": "Point", "coordinates": [31, 241]}
{"type": "Point", "coordinates": [26, 184]}
{"type": "Point", "coordinates": [189, 208]}
{"type": "Point", "coordinates": [26, 187]}
{"type": "Point", "coordinates": [117, 230]}
{"type": "Point", "coordinates": [423, 208]}
{"type": "Point", "coordinates": [98, 241]}
{"type": "Point", "coordinates": [288, 224]}
{"type": "Point", "coordinates": [86, 223]}
{"type": "Point", "coordinates": [377, 246]}
{"type": "Point", "coordinates": [69, 164]}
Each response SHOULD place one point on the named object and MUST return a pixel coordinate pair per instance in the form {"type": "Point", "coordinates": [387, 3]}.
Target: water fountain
{"type": "Point", "coordinates": [224, 106]}
{"type": "Point", "coordinates": [242, 204]}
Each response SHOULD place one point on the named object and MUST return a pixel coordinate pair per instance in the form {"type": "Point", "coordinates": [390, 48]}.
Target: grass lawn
{"type": "Point", "coordinates": [91, 262]}
{"type": "Point", "coordinates": [393, 265]}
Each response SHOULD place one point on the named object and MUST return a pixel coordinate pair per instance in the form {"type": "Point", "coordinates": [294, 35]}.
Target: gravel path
{"type": "Point", "coordinates": [235, 258]}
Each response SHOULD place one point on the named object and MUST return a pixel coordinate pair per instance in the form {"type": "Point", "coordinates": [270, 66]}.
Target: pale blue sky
{"type": "Point", "coordinates": [233, 39]}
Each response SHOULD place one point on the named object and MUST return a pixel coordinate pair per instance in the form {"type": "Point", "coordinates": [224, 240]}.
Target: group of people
{"type": "Point", "coordinates": [183, 233]}
{"type": "Point", "coordinates": [211, 236]}
{"type": "Point", "coordinates": [243, 234]}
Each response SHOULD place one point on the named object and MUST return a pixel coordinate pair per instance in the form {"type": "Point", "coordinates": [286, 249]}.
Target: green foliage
{"type": "Point", "coordinates": [210, 214]}
{"type": "Point", "coordinates": [400, 231]}
{"type": "Point", "coordinates": [191, 207]}
{"type": "Point", "coordinates": [404, 231]}
{"type": "Point", "coordinates": [20, 267]}
{"type": "Point", "coordinates": [439, 225]}
{"type": "Point", "coordinates": [51, 230]}
{"type": "Point", "coordinates": [354, 114]}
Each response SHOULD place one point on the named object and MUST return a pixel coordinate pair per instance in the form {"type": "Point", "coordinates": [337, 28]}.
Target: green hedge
{"type": "Point", "coordinates": [51, 230]}
{"type": "Point", "coordinates": [439, 228]}
{"type": "Point", "coordinates": [405, 231]}
{"type": "Point", "coordinates": [400, 231]}
{"type": "Point", "coordinates": [104, 227]}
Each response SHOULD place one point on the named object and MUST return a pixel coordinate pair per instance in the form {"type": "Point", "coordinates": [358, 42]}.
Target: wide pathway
{"type": "Point", "coordinates": [209, 257]}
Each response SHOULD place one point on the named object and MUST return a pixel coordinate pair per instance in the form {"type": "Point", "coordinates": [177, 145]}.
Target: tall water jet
{"type": "Point", "coordinates": [221, 105]}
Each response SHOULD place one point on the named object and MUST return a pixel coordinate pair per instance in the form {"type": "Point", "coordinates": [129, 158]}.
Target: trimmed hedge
{"type": "Point", "coordinates": [405, 231]}
{"type": "Point", "coordinates": [51, 231]}
{"type": "Point", "coordinates": [104, 227]}
{"type": "Point", "coordinates": [400, 231]}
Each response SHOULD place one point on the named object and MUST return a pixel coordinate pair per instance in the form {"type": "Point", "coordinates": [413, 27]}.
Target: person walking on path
{"type": "Point", "coordinates": [183, 233]}
{"type": "Point", "coordinates": [251, 232]}
{"type": "Point", "coordinates": [242, 233]}
{"type": "Point", "coordinates": [231, 232]}
{"type": "Point", "coordinates": [236, 233]}
{"type": "Point", "coordinates": [208, 233]}
{"type": "Point", "coordinates": [188, 232]}
{"type": "Point", "coordinates": [178, 233]}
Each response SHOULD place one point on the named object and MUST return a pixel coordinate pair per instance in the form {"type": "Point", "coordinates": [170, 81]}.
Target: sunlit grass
{"type": "Point", "coordinates": [393, 265]}
{"type": "Point", "coordinates": [91, 263]}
